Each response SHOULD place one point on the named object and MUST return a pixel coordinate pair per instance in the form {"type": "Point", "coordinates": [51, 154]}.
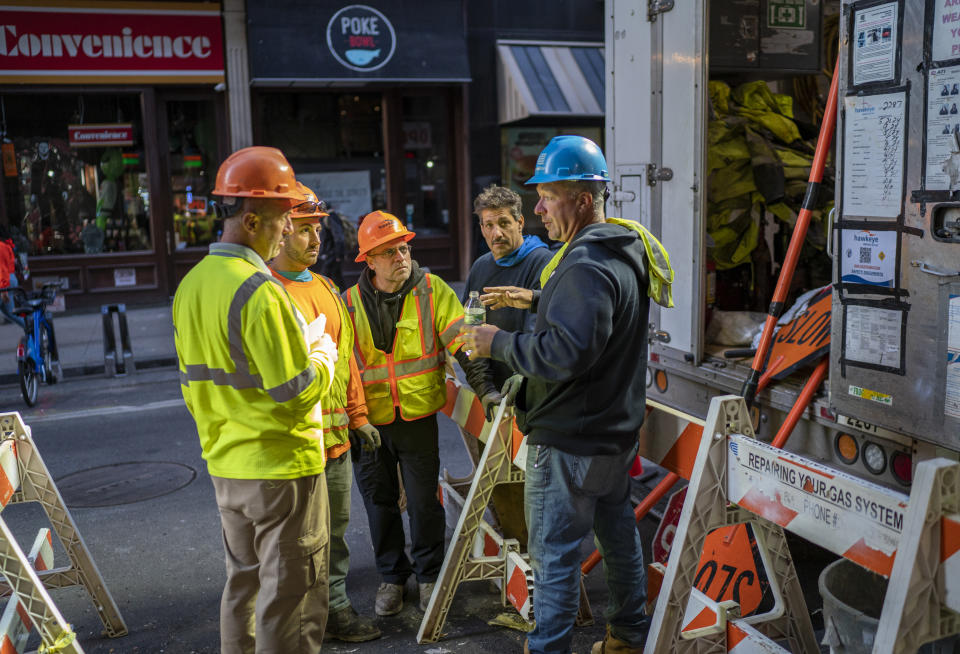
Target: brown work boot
{"type": "Point", "coordinates": [426, 590]}
{"type": "Point", "coordinates": [389, 599]}
{"type": "Point", "coordinates": [613, 645]}
{"type": "Point", "coordinates": [347, 625]}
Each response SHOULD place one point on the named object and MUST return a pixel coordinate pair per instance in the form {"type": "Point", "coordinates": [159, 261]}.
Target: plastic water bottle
{"type": "Point", "coordinates": [474, 313]}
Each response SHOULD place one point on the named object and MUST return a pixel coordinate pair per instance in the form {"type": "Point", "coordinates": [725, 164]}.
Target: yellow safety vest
{"type": "Point", "coordinates": [659, 272]}
{"type": "Point", "coordinates": [244, 369]}
{"type": "Point", "coordinates": [411, 376]}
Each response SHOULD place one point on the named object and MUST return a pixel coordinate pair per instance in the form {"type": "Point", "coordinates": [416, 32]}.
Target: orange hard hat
{"type": "Point", "coordinates": [377, 228]}
{"type": "Point", "coordinates": [257, 172]}
{"type": "Point", "coordinates": [311, 207]}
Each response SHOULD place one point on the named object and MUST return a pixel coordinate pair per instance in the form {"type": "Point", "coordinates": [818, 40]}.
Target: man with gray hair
{"type": "Point", "coordinates": [581, 398]}
{"type": "Point", "coordinates": [513, 260]}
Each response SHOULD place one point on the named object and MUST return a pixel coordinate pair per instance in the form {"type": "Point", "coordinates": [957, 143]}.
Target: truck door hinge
{"type": "Point", "coordinates": [656, 7]}
{"type": "Point", "coordinates": [655, 174]}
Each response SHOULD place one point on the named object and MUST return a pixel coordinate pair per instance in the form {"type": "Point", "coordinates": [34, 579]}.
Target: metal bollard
{"type": "Point", "coordinates": [116, 361]}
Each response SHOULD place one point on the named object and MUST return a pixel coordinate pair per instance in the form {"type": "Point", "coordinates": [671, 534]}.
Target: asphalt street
{"type": "Point", "coordinates": [129, 443]}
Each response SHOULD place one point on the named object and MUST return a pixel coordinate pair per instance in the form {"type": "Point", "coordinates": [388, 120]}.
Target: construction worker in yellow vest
{"type": "Point", "coordinates": [252, 383]}
{"type": "Point", "coordinates": [344, 408]}
{"type": "Point", "coordinates": [405, 322]}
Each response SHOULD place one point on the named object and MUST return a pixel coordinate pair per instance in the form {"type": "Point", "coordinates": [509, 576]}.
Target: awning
{"type": "Point", "coordinates": [317, 44]}
{"type": "Point", "coordinates": [549, 79]}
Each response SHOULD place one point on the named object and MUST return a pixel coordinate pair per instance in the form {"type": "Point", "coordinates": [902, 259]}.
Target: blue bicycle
{"type": "Point", "coordinates": [37, 356]}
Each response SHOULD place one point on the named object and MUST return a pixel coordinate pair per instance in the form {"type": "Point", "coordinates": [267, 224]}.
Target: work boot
{"type": "Point", "coordinates": [426, 590]}
{"type": "Point", "coordinates": [348, 626]}
{"type": "Point", "coordinates": [613, 645]}
{"type": "Point", "coordinates": [389, 599]}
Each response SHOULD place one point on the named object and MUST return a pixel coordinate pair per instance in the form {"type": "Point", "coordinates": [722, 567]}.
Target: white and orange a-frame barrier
{"type": "Point", "coordinates": [25, 478]}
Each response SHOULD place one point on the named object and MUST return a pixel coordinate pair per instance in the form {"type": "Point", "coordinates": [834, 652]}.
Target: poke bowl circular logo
{"type": "Point", "coordinates": [361, 38]}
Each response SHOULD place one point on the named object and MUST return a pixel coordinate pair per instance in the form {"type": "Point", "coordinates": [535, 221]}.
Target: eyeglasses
{"type": "Point", "coordinates": [392, 252]}
{"type": "Point", "coordinates": [308, 208]}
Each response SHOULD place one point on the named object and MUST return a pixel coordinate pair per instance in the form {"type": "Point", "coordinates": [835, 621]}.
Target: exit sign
{"type": "Point", "coordinates": [787, 13]}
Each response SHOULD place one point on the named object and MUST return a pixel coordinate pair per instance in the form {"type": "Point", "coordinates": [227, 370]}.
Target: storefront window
{"type": "Point", "coordinates": [334, 142]}
{"type": "Point", "coordinates": [192, 160]}
{"type": "Point", "coordinates": [81, 174]}
{"type": "Point", "coordinates": [426, 169]}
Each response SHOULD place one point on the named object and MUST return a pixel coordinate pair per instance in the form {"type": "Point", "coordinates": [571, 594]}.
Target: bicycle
{"type": "Point", "coordinates": [37, 357]}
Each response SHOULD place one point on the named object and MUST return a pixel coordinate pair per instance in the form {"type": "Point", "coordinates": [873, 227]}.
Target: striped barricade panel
{"type": "Point", "coordinates": [464, 408]}
{"type": "Point", "coordinates": [744, 639]}
{"type": "Point", "coordinates": [854, 518]}
{"type": "Point", "coordinates": [520, 585]}
{"type": "Point", "coordinates": [9, 471]}
{"type": "Point", "coordinates": [15, 624]}
{"type": "Point", "coordinates": [950, 560]}
{"type": "Point", "coordinates": [670, 438]}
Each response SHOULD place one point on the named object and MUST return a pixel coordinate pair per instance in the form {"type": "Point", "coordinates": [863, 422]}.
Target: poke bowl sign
{"type": "Point", "coordinates": [361, 38]}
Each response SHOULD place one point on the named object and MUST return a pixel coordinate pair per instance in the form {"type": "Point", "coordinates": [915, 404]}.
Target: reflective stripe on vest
{"type": "Point", "coordinates": [243, 378]}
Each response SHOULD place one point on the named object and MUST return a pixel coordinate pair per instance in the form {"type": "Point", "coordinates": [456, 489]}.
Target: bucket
{"type": "Point", "coordinates": [852, 603]}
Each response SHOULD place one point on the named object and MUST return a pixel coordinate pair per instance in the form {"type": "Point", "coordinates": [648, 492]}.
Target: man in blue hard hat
{"type": "Point", "coordinates": [580, 395]}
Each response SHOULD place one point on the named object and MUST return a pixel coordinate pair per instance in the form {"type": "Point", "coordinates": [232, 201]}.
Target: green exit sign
{"type": "Point", "coordinates": [787, 13]}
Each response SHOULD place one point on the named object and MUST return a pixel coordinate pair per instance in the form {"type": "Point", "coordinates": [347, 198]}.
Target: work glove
{"type": "Point", "coordinates": [490, 402]}
{"type": "Point", "coordinates": [370, 437]}
{"type": "Point", "coordinates": [511, 387]}
{"type": "Point", "coordinates": [323, 353]}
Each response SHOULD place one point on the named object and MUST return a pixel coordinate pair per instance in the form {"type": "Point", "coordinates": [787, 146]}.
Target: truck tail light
{"type": "Point", "coordinates": [847, 448]}
{"type": "Point", "coordinates": [901, 464]}
{"type": "Point", "coordinates": [874, 458]}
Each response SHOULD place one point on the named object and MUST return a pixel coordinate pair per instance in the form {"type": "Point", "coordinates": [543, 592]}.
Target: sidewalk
{"type": "Point", "coordinates": [80, 340]}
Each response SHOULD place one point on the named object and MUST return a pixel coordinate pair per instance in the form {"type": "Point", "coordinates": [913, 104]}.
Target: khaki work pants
{"type": "Point", "coordinates": [276, 541]}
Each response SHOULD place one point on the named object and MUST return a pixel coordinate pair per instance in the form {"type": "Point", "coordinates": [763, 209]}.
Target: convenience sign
{"type": "Point", "coordinates": [99, 136]}
{"type": "Point", "coordinates": [851, 517]}
{"type": "Point", "coordinates": [45, 41]}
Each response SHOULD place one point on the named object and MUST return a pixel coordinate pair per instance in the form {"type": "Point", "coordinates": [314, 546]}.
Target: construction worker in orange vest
{"type": "Point", "coordinates": [252, 383]}
{"type": "Point", "coordinates": [344, 408]}
{"type": "Point", "coordinates": [405, 322]}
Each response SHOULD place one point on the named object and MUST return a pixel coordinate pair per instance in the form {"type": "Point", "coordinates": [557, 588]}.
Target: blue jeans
{"type": "Point", "coordinates": [566, 495]}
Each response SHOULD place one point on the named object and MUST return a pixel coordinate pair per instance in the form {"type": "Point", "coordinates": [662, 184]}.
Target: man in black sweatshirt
{"type": "Point", "coordinates": [582, 399]}
{"type": "Point", "coordinates": [405, 323]}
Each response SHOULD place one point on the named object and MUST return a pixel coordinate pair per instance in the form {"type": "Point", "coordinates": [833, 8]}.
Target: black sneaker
{"type": "Point", "coordinates": [347, 625]}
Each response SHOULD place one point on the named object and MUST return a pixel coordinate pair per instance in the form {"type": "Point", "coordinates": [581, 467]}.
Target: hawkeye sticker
{"type": "Point", "coordinates": [361, 38]}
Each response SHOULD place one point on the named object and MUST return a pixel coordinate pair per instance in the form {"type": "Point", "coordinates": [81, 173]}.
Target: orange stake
{"type": "Point", "coordinates": [827, 128]}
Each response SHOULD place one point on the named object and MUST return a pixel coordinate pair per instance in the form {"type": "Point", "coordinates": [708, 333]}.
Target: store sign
{"type": "Point", "coordinates": [99, 136]}
{"type": "Point", "coordinates": [417, 135]}
{"type": "Point", "coordinates": [361, 38]}
{"type": "Point", "coordinates": [126, 42]}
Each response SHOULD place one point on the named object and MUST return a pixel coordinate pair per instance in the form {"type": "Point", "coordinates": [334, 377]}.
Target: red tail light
{"type": "Point", "coordinates": [902, 467]}
{"type": "Point", "coordinates": [21, 351]}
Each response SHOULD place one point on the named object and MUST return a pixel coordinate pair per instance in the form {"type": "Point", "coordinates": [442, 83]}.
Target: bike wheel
{"type": "Point", "coordinates": [29, 382]}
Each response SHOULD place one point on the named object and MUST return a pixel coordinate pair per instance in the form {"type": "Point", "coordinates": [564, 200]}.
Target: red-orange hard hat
{"type": "Point", "coordinates": [377, 228]}
{"type": "Point", "coordinates": [257, 172]}
{"type": "Point", "coordinates": [311, 207]}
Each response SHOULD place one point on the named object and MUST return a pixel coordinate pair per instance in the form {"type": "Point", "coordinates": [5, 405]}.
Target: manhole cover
{"type": "Point", "coordinates": [123, 483]}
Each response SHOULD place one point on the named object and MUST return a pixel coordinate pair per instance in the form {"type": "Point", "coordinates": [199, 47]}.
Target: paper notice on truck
{"type": "Point", "coordinates": [875, 44]}
{"type": "Point", "coordinates": [942, 165]}
{"type": "Point", "coordinates": [872, 335]}
{"type": "Point", "coordinates": [874, 154]}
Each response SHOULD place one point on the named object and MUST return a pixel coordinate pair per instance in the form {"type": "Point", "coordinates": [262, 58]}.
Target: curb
{"type": "Point", "coordinates": [89, 370]}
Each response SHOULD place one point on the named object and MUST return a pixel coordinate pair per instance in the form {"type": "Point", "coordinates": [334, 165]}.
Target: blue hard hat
{"type": "Point", "coordinates": [572, 158]}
